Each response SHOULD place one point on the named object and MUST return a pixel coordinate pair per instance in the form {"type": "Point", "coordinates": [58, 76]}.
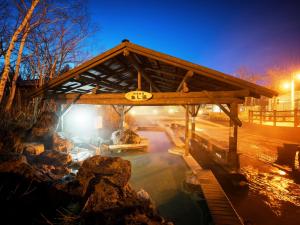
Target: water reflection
{"type": "Point", "coordinates": [274, 186]}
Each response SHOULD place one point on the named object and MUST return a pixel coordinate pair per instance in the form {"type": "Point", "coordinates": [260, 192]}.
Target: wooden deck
{"type": "Point", "coordinates": [220, 207]}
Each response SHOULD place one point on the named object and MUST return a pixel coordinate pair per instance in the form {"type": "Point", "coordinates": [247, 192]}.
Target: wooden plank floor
{"type": "Point", "coordinates": [220, 207]}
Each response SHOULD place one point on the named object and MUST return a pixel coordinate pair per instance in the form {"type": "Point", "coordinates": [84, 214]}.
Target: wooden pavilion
{"type": "Point", "coordinates": [105, 79]}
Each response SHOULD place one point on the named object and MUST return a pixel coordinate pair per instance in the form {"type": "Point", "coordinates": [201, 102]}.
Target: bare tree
{"type": "Point", "coordinates": [248, 75]}
{"type": "Point", "coordinates": [14, 38]}
{"type": "Point", "coordinates": [51, 41]}
{"type": "Point", "coordinates": [55, 45]}
{"type": "Point", "coordinates": [17, 69]}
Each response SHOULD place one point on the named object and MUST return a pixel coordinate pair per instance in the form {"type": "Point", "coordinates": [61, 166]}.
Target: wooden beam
{"type": "Point", "coordinates": [138, 68]}
{"type": "Point", "coordinates": [101, 83]}
{"type": "Point", "coordinates": [166, 95]}
{"type": "Point", "coordinates": [128, 109]}
{"type": "Point", "coordinates": [71, 87]}
{"type": "Point", "coordinates": [166, 80]}
{"type": "Point", "coordinates": [116, 110]}
{"type": "Point", "coordinates": [165, 84]}
{"type": "Point", "coordinates": [166, 98]}
{"type": "Point", "coordinates": [69, 105]}
{"type": "Point", "coordinates": [197, 110]}
{"type": "Point", "coordinates": [186, 77]}
{"type": "Point", "coordinates": [187, 131]}
{"type": "Point", "coordinates": [233, 117]}
{"type": "Point", "coordinates": [164, 73]}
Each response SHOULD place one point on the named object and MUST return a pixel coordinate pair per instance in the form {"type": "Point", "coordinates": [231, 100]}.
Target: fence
{"type": "Point", "coordinates": [275, 118]}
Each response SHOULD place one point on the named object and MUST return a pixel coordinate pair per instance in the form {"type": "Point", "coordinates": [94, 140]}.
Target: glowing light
{"type": "Point", "coordinates": [80, 118]}
{"type": "Point", "coordinates": [255, 146]}
{"type": "Point", "coordinates": [82, 121]}
{"type": "Point", "coordinates": [297, 76]}
{"type": "Point", "coordinates": [281, 172]}
{"type": "Point", "coordinates": [216, 108]}
{"type": "Point", "coordinates": [154, 111]}
{"type": "Point", "coordinates": [132, 112]}
{"type": "Point", "coordinates": [171, 111]}
{"type": "Point", "coordinates": [286, 85]}
{"type": "Point", "coordinates": [199, 129]}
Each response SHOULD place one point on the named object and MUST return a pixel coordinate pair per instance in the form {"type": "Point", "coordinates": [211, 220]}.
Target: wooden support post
{"type": "Point", "coordinates": [193, 125]}
{"type": "Point", "coordinates": [260, 116]}
{"type": "Point", "coordinates": [249, 116]}
{"type": "Point", "coordinates": [130, 57]}
{"type": "Point", "coordinates": [233, 158]}
{"type": "Point", "coordinates": [187, 150]}
{"type": "Point", "coordinates": [122, 117]}
{"type": "Point", "coordinates": [296, 118]}
{"type": "Point", "coordinates": [139, 80]}
{"type": "Point", "coordinates": [274, 118]}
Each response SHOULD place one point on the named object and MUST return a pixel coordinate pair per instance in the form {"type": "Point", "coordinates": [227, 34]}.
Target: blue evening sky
{"type": "Point", "coordinates": [220, 34]}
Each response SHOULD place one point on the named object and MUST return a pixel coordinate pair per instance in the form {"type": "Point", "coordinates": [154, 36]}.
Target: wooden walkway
{"type": "Point", "coordinates": [220, 207]}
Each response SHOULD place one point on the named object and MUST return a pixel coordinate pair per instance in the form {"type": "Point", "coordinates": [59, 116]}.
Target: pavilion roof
{"type": "Point", "coordinates": [115, 71]}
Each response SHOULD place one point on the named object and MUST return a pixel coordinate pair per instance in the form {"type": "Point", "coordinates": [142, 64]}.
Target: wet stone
{"type": "Point", "coordinates": [61, 144]}
{"type": "Point", "coordinates": [17, 164]}
{"type": "Point", "coordinates": [126, 136]}
{"type": "Point", "coordinates": [113, 170]}
{"type": "Point", "coordinates": [33, 148]}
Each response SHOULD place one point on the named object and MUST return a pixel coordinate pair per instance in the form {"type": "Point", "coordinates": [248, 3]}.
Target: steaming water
{"type": "Point", "coordinates": [162, 175]}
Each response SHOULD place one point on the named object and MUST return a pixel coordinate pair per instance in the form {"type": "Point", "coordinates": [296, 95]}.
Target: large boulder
{"type": "Point", "coordinates": [108, 198]}
{"type": "Point", "coordinates": [113, 170]}
{"type": "Point", "coordinates": [126, 136]}
{"type": "Point", "coordinates": [11, 141]}
{"type": "Point", "coordinates": [44, 128]}
{"type": "Point", "coordinates": [54, 163]}
{"type": "Point", "coordinates": [51, 157]}
{"type": "Point", "coordinates": [17, 164]}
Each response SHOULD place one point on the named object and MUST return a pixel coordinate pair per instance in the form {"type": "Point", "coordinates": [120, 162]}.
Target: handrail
{"type": "Point", "coordinates": [289, 116]}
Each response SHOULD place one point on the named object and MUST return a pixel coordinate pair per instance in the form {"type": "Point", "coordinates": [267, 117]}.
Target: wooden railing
{"type": "Point", "coordinates": [276, 117]}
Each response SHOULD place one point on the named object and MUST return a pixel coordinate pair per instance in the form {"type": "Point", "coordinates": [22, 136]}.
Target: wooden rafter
{"type": "Point", "coordinates": [170, 81]}
{"type": "Point", "coordinates": [101, 83]}
{"type": "Point", "coordinates": [159, 71]}
{"type": "Point", "coordinates": [69, 105]}
{"type": "Point", "coordinates": [186, 77]}
{"type": "Point", "coordinates": [138, 67]}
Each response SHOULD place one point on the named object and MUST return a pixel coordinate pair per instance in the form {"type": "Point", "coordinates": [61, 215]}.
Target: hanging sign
{"type": "Point", "coordinates": [137, 96]}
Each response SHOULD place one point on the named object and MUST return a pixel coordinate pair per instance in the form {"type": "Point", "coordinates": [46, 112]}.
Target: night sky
{"type": "Point", "coordinates": [224, 35]}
